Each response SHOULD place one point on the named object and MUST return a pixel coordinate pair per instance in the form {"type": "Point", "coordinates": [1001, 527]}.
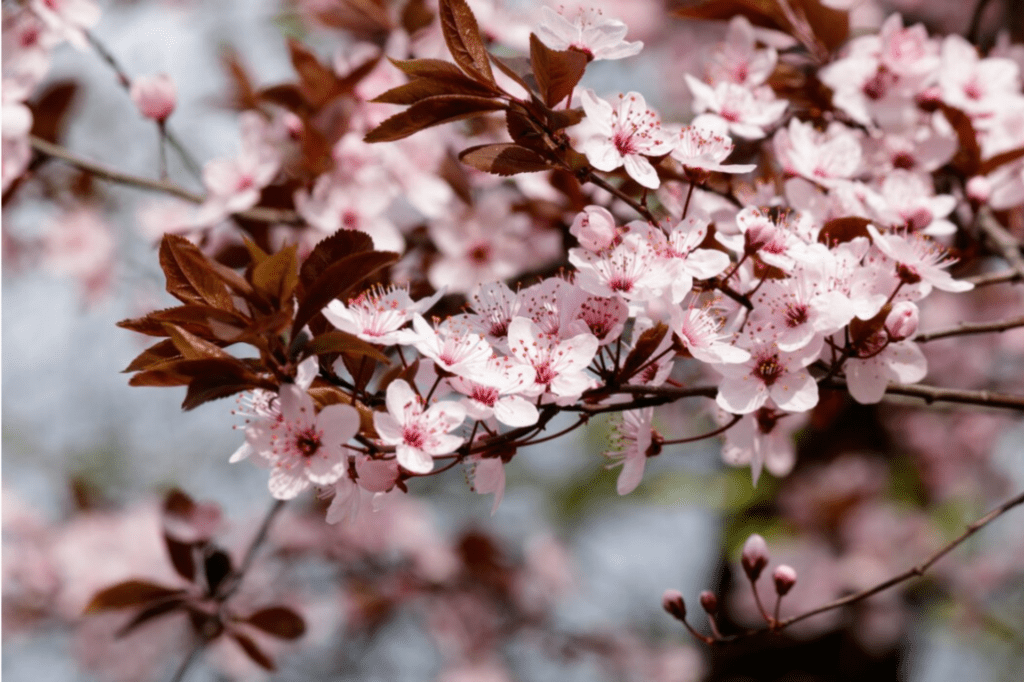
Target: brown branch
{"type": "Point", "coordinates": [259, 214]}
{"type": "Point", "coordinates": [971, 328]}
{"type": "Point", "coordinates": [1010, 276]}
{"type": "Point", "coordinates": [974, 28]}
{"type": "Point", "coordinates": [592, 177]}
{"type": "Point", "coordinates": [932, 394]}
{"type": "Point", "coordinates": [914, 572]}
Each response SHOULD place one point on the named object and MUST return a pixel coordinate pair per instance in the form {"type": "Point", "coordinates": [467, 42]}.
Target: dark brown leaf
{"type": "Point", "coordinates": [332, 249]}
{"type": "Point", "coordinates": [216, 567]}
{"type": "Point", "coordinates": [840, 230]}
{"type": "Point", "coordinates": [422, 88]}
{"type": "Point", "coordinates": [253, 651]}
{"type": "Point", "coordinates": [277, 275]}
{"type": "Point", "coordinates": [967, 159]}
{"type": "Point", "coordinates": [154, 355]}
{"type": "Point", "coordinates": [129, 593]}
{"type": "Point", "coordinates": [242, 94]}
{"type": "Point", "coordinates": [342, 342]}
{"type": "Point", "coordinates": [339, 279]}
{"type": "Point", "coordinates": [557, 72]}
{"type": "Point", "coordinates": [642, 351]}
{"type": "Point", "coordinates": [563, 118]}
{"type": "Point", "coordinates": [191, 277]}
{"type": "Point", "coordinates": [431, 112]}
{"type": "Point", "coordinates": [50, 109]}
{"type": "Point", "coordinates": [181, 554]}
{"type": "Point", "coordinates": [150, 613]}
{"type": "Point", "coordinates": [192, 347]}
{"type": "Point", "coordinates": [319, 83]}
{"type": "Point", "coordinates": [416, 15]}
{"type": "Point", "coordinates": [524, 130]}
{"type": "Point", "coordinates": [831, 26]}
{"type": "Point", "coordinates": [279, 621]}
{"type": "Point", "coordinates": [504, 159]}
{"type": "Point", "coordinates": [462, 35]}
{"type": "Point", "coordinates": [518, 69]}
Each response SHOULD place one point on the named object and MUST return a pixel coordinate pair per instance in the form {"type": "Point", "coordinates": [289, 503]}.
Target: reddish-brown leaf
{"type": "Point", "coordinates": [416, 15]}
{"type": "Point", "coordinates": [518, 69]}
{"type": "Point", "coordinates": [50, 109]}
{"type": "Point", "coordinates": [279, 621]}
{"type": "Point", "coordinates": [342, 342]}
{"type": "Point", "coordinates": [192, 347]}
{"type": "Point", "coordinates": [337, 280]}
{"type": "Point", "coordinates": [253, 651]}
{"type": "Point", "coordinates": [839, 230]}
{"type": "Point", "coordinates": [319, 83]}
{"type": "Point", "coordinates": [154, 355]}
{"type": "Point", "coordinates": [422, 88]}
{"type": "Point", "coordinates": [462, 35]}
{"type": "Point", "coordinates": [129, 593]}
{"type": "Point", "coordinates": [332, 249]}
{"type": "Point", "coordinates": [150, 613]}
{"type": "Point", "coordinates": [504, 159]}
{"type": "Point", "coordinates": [190, 275]}
{"type": "Point", "coordinates": [831, 26]}
{"type": "Point", "coordinates": [642, 351]}
{"type": "Point", "coordinates": [277, 275]}
{"type": "Point", "coordinates": [242, 94]}
{"type": "Point", "coordinates": [182, 558]}
{"type": "Point", "coordinates": [563, 118]}
{"type": "Point", "coordinates": [557, 71]}
{"type": "Point", "coordinates": [524, 130]}
{"type": "Point", "coordinates": [431, 112]}
{"type": "Point", "coordinates": [967, 159]}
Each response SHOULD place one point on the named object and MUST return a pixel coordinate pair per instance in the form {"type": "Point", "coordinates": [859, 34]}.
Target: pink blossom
{"type": "Point", "coordinates": [747, 113]}
{"type": "Point", "coordinates": [488, 476]}
{"type": "Point", "coordinates": [770, 373]}
{"type": "Point", "coordinates": [821, 157]}
{"type": "Point", "coordinates": [559, 364]}
{"type": "Point", "coordinates": [636, 440]}
{"type": "Point", "coordinates": [378, 315]}
{"type": "Point", "coordinates": [68, 19]}
{"type": "Point", "coordinates": [702, 149]}
{"type": "Point", "coordinates": [762, 439]}
{"type": "Point", "coordinates": [918, 260]}
{"type": "Point", "coordinates": [418, 435]}
{"type": "Point", "coordinates": [495, 391]}
{"type": "Point", "coordinates": [699, 330]}
{"type": "Point", "coordinates": [627, 135]}
{"type": "Point", "coordinates": [736, 60]}
{"type": "Point", "coordinates": [880, 362]}
{"type": "Point", "coordinates": [452, 345]}
{"type": "Point", "coordinates": [594, 227]}
{"type": "Point", "coordinates": [155, 96]}
{"type": "Point", "coordinates": [633, 269]}
{"type": "Point", "coordinates": [589, 32]}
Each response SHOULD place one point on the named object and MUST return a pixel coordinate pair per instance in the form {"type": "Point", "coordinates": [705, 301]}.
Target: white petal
{"type": "Point", "coordinates": [797, 392]}
{"type": "Point", "coordinates": [741, 395]}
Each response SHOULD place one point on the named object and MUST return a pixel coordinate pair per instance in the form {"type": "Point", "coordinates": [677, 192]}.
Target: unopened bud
{"type": "Point", "coordinates": [155, 96]}
{"type": "Point", "coordinates": [979, 189]}
{"type": "Point", "coordinates": [672, 602]}
{"type": "Point", "coordinates": [784, 577]}
{"type": "Point", "coordinates": [755, 556]}
{"type": "Point", "coordinates": [929, 99]}
{"type": "Point", "coordinates": [901, 322]}
{"type": "Point", "coordinates": [709, 602]}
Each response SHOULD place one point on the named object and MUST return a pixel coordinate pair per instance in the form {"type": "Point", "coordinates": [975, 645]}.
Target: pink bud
{"type": "Point", "coordinates": [784, 577]}
{"type": "Point", "coordinates": [755, 556]}
{"type": "Point", "coordinates": [979, 189]}
{"type": "Point", "coordinates": [155, 96]}
{"type": "Point", "coordinates": [709, 602]}
{"type": "Point", "coordinates": [672, 602]}
{"type": "Point", "coordinates": [594, 227]}
{"type": "Point", "coordinates": [901, 323]}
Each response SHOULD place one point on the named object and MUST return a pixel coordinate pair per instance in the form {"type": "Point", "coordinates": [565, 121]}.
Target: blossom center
{"type": "Point", "coordinates": [414, 436]}
{"type": "Point", "coordinates": [769, 369]}
{"type": "Point", "coordinates": [307, 443]}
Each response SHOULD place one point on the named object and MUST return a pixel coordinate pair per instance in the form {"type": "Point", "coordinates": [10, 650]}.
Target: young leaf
{"type": "Point", "coordinates": [129, 593]}
{"type": "Point", "coordinates": [430, 112]}
{"type": "Point", "coordinates": [331, 249]}
{"type": "Point", "coordinates": [253, 651]}
{"type": "Point", "coordinates": [557, 72]}
{"type": "Point", "coordinates": [216, 567]}
{"type": "Point", "coordinates": [967, 159]}
{"type": "Point", "coordinates": [181, 557]}
{"type": "Point", "coordinates": [504, 159]}
{"type": "Point", "coordinates": [279, 621]}
{"type": "Point", "coordinates": [339, 279]}
{"type": "Point", "coordinates": [190, 276]}
{"type": "Point", "coordinates": [148, 614]}
{"type": "Point", "coordinates": [154, 355]}
{"type": "Point", "coordinates": [277, 275]}
{"type": "Point", "coordinates": [415, 16]}
{"type": "Point", "coordinates": [342, 342]}
{"type": "Point", "coordinates": [462, 35]}
{"type": "Point", "coordinates": [642, 351]}
{"type": "Point", "coordinates": [192, 347]}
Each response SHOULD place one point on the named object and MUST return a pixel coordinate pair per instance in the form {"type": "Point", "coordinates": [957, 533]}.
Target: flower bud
{"type": "Point", "coordinates": [594, 227]}
{"type": "Point", "coordinates": [979, 189]}
{"type": "Point", "coordinates": [784, 577]}
{"type": "Point", "coordinates": [901, 323]}
{"type": "Point", "coordinates": [672, 602]}
{"type": "Point", "coordinates": [155, 96]}
{"type": "Point", "coordinates": [755, 556]}
{"type": "Point", "coordinates": [709, 602]}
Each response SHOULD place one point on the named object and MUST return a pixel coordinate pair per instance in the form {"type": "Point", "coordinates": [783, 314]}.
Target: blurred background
{"type": "Point", "coordinates": [565, 580]}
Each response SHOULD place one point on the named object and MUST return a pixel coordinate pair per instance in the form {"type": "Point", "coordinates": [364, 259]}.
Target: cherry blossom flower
{"type": "Point", "coordinates": [494, 391]}
{"type": "Point", "coordinates": [762, 439]}
{"type": "Point", "coordinates": [699, 330]}
{"type": "Point", "coordinates": [337, 202]}
{"type": "Point", "coordinates": [235, 184]}
{"type": "Point", "coordinates": [417, 434]}
{"type": "Point", "coordinates": [626, 135]}
{"type": "Point", "coordinates": [736, 60]}
{"type": "Point", "coordinates": [559, 364]}
{"type": "Point", "coordinates": [774, 236]}
{"type": "Point", "coordinates": [487, 475]}
{"type": "Point", "coordinates": [595, 228]}
{"type": "Point", "coordinates": [918, 260]}
{"type": "Point", "coordinates": [68, 19]}
{"type": "Point", "coordinates": [907, 200]}
{"type": "Point", "coordinates": [747, 113]}
{"type": "Point", "coordinates": [452, 346]}
{"type": "Point", "coordinates": [975, 85]}
{"type": "Point", "coordinates": [632, 269]}
{"type": "Point", "coordinates": [702, 149]}
{"type": "Point", "coordinates": [686, 261]}
{"type": "Point", "coordinates": [770, 373]}
{"type": "Point", "coordinates": [589, 32]}
{"type": "Point", "coordinates": [821, 157]}
{"type": "Point", "coordinates": [637, 440]}
{"type": "Point", "coordinates": [378, 315]}
{"type": "Point", "coordinates": [303, 448]}
{"type": "Point", "coordinates": [880, 361]}
{"type": "Point", "coordinates": [604, 317]}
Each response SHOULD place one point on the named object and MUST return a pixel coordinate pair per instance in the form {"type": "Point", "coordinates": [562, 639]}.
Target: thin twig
{"type": "Point", "coordinates": [106, 55]}
{"type": "Point", "coordinates": [974, 28]}
{"type": "Point", "coordinates": [608, 187]}
{"type": "Point", "coordinates": [971, 328]}
{"type": "Point", "coordinates": [258, 214]}
{"type": "Point", "coordinates": [1010, 276]}
{"type": "Point", "coordinates": [1005, 243]}
{"type": "Point", "coordinates": [710, 434]}
{"type": "Point", "coordinates": [250, 555]}
{"type": "Point", "coordinates": [190, 658]}
{"type": "Point", "coordinates": [914, 572]}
